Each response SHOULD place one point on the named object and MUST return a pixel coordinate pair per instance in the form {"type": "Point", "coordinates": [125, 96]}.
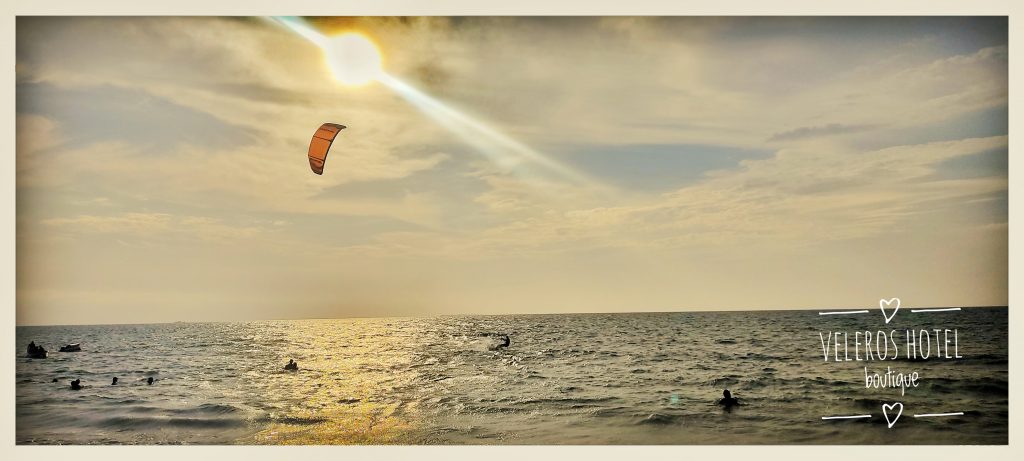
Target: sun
{"type": "Point", "coordinates": [353, 58]}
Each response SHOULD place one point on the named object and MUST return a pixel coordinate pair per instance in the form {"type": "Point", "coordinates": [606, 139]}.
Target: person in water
{"type": "Point", "coordinates": [114, 382]}
{"type": "Point", "coordinates": [76, 385]}
{"type": "Point", "coordinates": [292, 365]}
{"type": "Point", "coordinates": [505, 342]}
{"type": "Point", "coordinates": [727, 400]}
{"type": "Point", "coordinates": [150, 381]}
{"type": "Point", "coordinates": [36, 352]}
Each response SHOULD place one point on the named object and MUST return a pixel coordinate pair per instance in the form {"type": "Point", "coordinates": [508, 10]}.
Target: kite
{"type": "Point", "coordinates": [321, 144]}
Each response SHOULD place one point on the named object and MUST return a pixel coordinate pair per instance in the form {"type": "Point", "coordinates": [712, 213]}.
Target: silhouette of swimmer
{"type": "Point", "coordinates": [36, 352]}
{"type": "Point", "coordinates": [76, 385]}
{"type": "Point", "coordinates": [55, 380]}
{"type": "Point", "coordinates": [292, 365]}
{"type": "Point", "coordinates": [727, 400]}
{"type": "Point", "coordinates": [150, 380]}
{"type": "Point", "coordinates": [114, 381]}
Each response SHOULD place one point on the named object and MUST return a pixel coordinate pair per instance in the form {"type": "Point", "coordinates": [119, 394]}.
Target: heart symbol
{"type": "Point", "coordinates": [884, 303]}
{"type": "Point", "coordinates": [885, 412]}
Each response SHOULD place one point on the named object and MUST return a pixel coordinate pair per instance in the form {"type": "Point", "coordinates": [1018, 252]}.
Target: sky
{"type": "Point", "coordinates": [677, 164]}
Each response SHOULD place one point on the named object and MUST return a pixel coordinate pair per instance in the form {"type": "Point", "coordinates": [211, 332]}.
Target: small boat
{"type": "Point", "coordinates": [76, 347]}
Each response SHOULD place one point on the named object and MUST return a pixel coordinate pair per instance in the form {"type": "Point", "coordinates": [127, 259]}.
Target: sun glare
{"type": "Point", "coordinates": [353, 58]}
{"type": "Point", "coordinates": [355, 61]}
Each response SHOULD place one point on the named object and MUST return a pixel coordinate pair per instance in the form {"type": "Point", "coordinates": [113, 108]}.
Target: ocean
{"type": "Point", "coordinates": [648, 378]}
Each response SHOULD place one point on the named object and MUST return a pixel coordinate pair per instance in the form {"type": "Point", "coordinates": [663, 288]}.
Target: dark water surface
{"type": "Point", "coordinates": [566, 379]}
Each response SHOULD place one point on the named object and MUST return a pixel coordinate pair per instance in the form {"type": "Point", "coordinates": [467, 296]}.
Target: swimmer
{"type": "Point", "coordinates": [36, 352]}
{"type": "Point", "coordinates": [150, 381]}
{"type": "Point", "coordinates": [292, 365]}
{"type": "Point", "coordinates": [727, 400]}
{"type": "Point", "coordinates": [76, 385]}
{"type": "Point", "coordinates": [114, 382]}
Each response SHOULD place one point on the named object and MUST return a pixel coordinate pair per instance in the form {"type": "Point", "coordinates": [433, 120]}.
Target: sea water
{"type": "Point", "coordinates": [648, 378]}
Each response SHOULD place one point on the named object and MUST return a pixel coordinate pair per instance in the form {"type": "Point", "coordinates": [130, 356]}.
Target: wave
{"type": "Point", "coordinates": [730, 380]}
{"type": "Point", "coordinates": [568, 401]}
{"type": "Point", "coordinates": [212, 409]}
{"type": "Point", "coordinates": [130, 422]}
{"type": "Point", "coordinates": [659, 419]}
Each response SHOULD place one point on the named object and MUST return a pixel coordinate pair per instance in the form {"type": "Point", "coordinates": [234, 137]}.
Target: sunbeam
{"type": "Point", "coordinates": [505, 151]}
{"type": "Point", "coordinates": [298, 26]}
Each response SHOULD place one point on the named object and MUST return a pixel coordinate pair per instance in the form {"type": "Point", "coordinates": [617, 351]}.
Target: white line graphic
{"type": "Point", "coordinates": [846, 417]}
{"type": "Point", "coordinates": [936, 310]}
{"type": "Point", "coordinates": [929, 415]}
{"type": "Point", "coordinates": [842, 312]}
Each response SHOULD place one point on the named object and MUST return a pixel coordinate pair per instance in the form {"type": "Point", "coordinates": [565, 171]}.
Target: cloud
{"type": "Point", "coordinates": [805, 132]}
{"type": "Point", "coordinates": [157, 226]}
{"type": "Point", "coordinates": [35, 133]}
{"type": "Point", "coordinates": [800, 197]}
{"type": "Point", "coordinates": [104, 113]}
{"type": "Point", "coordinates": [255, 178]}
{"type": "Point", "coordinates": [134, 223]}
{"type": "Point", "coordinates": [404, 203]}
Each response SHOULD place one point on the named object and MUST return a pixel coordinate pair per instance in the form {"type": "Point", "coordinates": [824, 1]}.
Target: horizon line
{"type": "Point", "coordinates": [459, 315]}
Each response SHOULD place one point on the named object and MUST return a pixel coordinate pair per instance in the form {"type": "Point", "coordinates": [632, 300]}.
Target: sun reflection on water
{"type": "Point", "coordinates": [345, 389]}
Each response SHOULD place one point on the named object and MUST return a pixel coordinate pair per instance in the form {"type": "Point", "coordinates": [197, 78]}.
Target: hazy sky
{"type": "Point", "coordinates": [733, 163]}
